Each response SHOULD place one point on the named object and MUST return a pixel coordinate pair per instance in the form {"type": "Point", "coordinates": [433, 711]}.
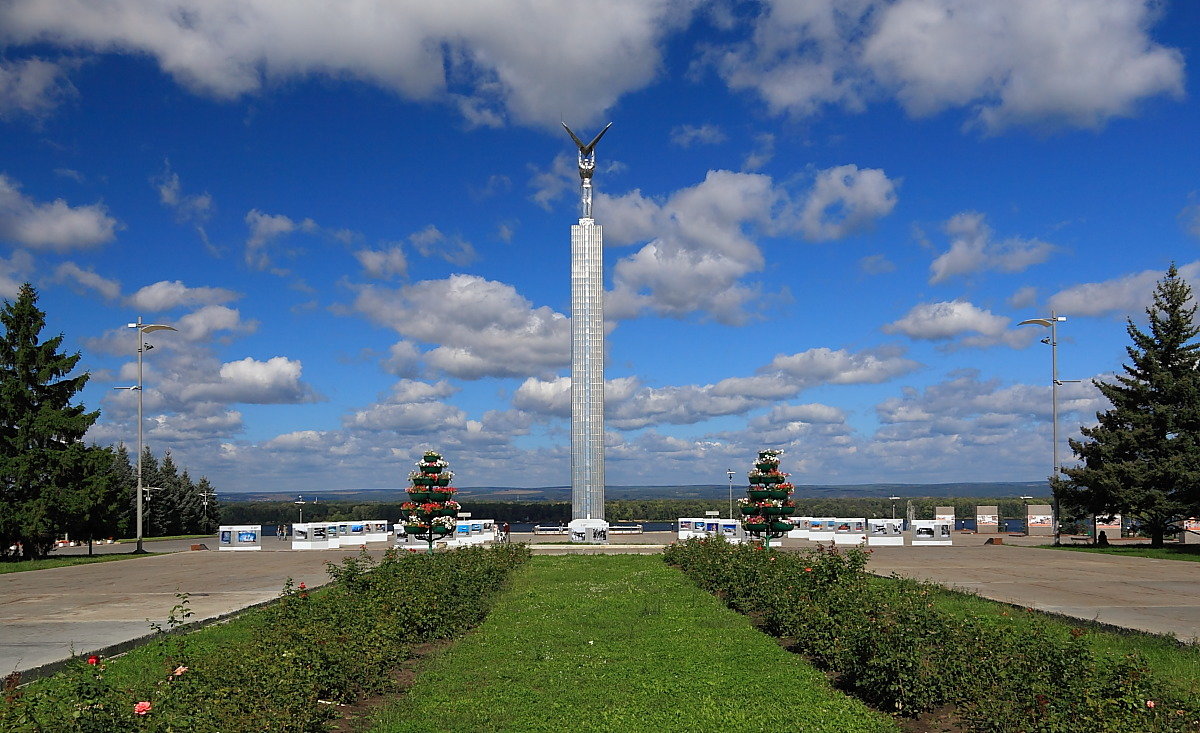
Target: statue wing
{"type": "Point", "coordinates": [578, 142]}
{"type": "Point", "coordinates": [586, 150]}
{"type": "Point", "coordinates": [592, 145]}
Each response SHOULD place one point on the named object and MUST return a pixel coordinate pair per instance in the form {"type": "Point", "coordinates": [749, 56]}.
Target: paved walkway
{"type": "Point", "coordinates": [48, 614]}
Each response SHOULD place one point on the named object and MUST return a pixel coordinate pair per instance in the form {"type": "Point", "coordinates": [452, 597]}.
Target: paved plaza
{"type": "Point", "coordinates": [47, 615]}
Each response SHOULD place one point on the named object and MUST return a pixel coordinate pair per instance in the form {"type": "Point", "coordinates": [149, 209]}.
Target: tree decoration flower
{"type": "Point", "coordinates": [432, 511]}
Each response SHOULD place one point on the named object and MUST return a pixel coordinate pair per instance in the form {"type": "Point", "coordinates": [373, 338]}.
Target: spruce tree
{"type": "Point", "coordinates": [1142, 459]}
{"type": "Point", "coordinates": [38, 426]}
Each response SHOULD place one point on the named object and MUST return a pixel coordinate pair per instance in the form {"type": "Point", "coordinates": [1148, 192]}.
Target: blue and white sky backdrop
{"type": "Point", "coordinates": [824, 220]}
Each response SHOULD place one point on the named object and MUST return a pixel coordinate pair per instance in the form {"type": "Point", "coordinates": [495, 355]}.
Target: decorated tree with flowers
{"type": "Point", "coordinates": [768, 500]}
{"type": "Point", "coordinates": [431, 509]}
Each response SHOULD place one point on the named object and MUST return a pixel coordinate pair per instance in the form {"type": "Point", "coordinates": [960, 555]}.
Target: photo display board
{"type": "Point", "coordinates": [240, 537]}
{"type": "Point", "coordinates": [930, 532]}
{"type": "Point", "coordinates": [885, 532]}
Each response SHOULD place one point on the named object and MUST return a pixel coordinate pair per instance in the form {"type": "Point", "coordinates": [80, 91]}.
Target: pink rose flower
{"type": "Point", "coordinates": [141, 708]}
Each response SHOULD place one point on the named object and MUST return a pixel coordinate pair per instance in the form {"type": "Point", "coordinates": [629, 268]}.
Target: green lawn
{"type": "Point", "coordinates": [17, 566]}
{"type": "Point", "coordinates": [1170, 552]}
{"type": "Point", "coordinates": [619, 643]}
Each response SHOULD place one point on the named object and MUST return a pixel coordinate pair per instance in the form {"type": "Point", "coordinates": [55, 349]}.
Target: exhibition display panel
{"type": "Point", "coordinates": [849, 531]}
{"type": "Point", "coordinates": [240, 537]}
{"type": "Point", "coordinates": [885, 532]}
{"type": "Point", "coordinates": [931, 532]}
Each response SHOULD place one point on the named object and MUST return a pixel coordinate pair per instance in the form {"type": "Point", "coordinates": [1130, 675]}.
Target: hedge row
{"type": "Point", "coordinates": [890, 645]}
{"type": "Point", "coordinates": [310, 651]}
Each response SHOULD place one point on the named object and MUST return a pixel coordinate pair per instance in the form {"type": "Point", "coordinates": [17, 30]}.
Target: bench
{"type": "Point", "coordinates": [200, 547]}
{"type": "Point", "coordinates": [994, 541]}
{"type": "Point", "coordinates": [1081, 540]}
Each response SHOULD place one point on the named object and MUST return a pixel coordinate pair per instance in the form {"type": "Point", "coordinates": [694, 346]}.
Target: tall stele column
{"type": "Point", "coordinates": [587, 352]}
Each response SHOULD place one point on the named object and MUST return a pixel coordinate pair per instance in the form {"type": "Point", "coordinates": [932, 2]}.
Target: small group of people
{"type": "Point", "coordinates": [281, 532]}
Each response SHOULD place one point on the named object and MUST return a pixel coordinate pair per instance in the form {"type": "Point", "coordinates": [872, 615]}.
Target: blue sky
{"type": "Point", "coordinates": [823, 222]}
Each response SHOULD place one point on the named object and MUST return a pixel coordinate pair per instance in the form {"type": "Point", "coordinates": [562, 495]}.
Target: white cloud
{"type": "Point", "coordinates": [201, 324]}
{"type": "Point", "coordinates": [69, 271]}
{"type": "Point", "coordinates": [763, 152]}
{"type": "Point", "coordinates": [1020, 62]}
{"type": "Point", "coordinates": [952, 319]}
{"type": "Point", "coordinates": [431, 242]}
{"type": "Point", "coordinates": [13, 272]}
{"type": "Point", "coordinates": [876, 264]}
{"type": "Point", "coordinates": [838, 366]}
{"type": "Point", "coordinates": [167, 294]}
{"type": "Point", "coordinates": [266, 228]}
{"type": "Point", "coordinates": [702, 248]}
{"type": "Point", "coordinates": [845, 199]}
{"type": "Point", "coordinates": [488, 59]}
{"type": "Point", "coordinates": [1025, 297]}
{"type": "Point", "coordinates": [271, 382]}
{"type": "Point", "coordinates": [383, 264]}
{"type": "Point", "coordinates": [973, 250]}
{"type": "Point", "coordinates": [1074, 62]}
{"type": "Point", "coordinates": [1125, 296]}
{"type": "Point", "coordinates": [55, 226]}
{"type": "Point", "coordinates": [480, 327]}
{"type": "Point", "coordinates": [32, 87]}
{"type": "Point", "coordinates": [685, 136]}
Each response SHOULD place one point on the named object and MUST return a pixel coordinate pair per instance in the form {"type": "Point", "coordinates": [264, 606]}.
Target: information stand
{"type": "Point", "coordinates": [376, 531]}
{"type": "Point", "coordinates": [305, 536]}
{"type": "Point", "coordinates": [885, 532]}
{"type": "Point", "coordinates": [240, 537]}
{"type": "Point", "coordinates": [821, 529]}
{"type": "Point", "coordinates": [849, 531]}
{"type": "Point", "coordinates": [987, 519]}
{"type": "Point", "coordinates": [931, 532]}
{"type": "Point", "coordinates": [800, 527]}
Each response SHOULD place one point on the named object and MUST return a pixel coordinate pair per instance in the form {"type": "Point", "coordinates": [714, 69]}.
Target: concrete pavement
{"type": "Point", "coordinates": [46, 615]}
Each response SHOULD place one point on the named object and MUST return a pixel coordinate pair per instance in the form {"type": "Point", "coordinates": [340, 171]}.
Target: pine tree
{"type": "Point", "coordinates": [1143, 458]}
{"type": "Point", "coordinates": [125, 476]}
{"type": "Point", "coordinates": [38, 425]}
{"type": "Point", "coordinates": [94, 493]}
{"type": "Point", "coordinates": [150, 478]}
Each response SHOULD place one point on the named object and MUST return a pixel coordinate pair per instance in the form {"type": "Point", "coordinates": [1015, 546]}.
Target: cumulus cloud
{"type": "Point", "coordinates": [481, 328]}
{"type": "Point", "coordinates": [1124, 296]}
{"type": "Point", "coordinates": [73, 273]}
{"type": "Point", "coordinates": [632, 405]}
{"type": "Point", "coordinates": [972, 250]}
{"type": "Point", "coordinates": [55, 226]}
{"type": "Point", "coordinates": [431, 242]}
{"type": "Point", "coordinates": [953, 319]}
{"type": "Point", "coordinates": [383, 264]}
{"type": "Point", "coordinates": [839, 366]}
{"type": "Point", "coordinates": [265, 229]}
{"type": "Point", "coordinates": [702, 248]}
{"type": "Point", "coordinates": [1022, 62]}
{"type": "Point", "coordinates": [876, 264]}
{"type": "Point", "coordinates": [686, 136]}
{"type": "Point", "coordinates": [13, 272]}
{"type": "Point", "coordinates": [272, 382]}
{"type": "Point", "coordinates": [845, 199]}
{"type": "Point", "coordinates": [167, 294]}
{"type": "Point", "coordinates": [32, 87]}
{"type": "Point", "coordinates": [487, 59]}
{"type": "Point", "coordinates": [201, 324]}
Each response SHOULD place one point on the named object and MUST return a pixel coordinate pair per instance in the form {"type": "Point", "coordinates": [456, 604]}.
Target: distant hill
{"type": "Point", "coordinates": [1000, 489]}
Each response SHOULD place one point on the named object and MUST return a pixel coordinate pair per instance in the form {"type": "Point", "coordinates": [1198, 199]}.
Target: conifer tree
{"type": "Point", "coordinates": [1143, 458]}
{"type": "Point", "coordinates": [210, 509]}
{"type": "Point", "coordinates": [38, 425]}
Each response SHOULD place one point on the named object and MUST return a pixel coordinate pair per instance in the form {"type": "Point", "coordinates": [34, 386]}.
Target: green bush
{"type": "Point", "coordinates": [311, 651]}
{"type": "Point", "coordinates": [889, 644]}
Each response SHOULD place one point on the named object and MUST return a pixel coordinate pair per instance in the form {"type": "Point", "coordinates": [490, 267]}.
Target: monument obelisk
{"type": "Point", "coordinates": [587, 359]}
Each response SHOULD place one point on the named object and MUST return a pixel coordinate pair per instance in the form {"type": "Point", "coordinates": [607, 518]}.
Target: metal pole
{"type": "Point", "coordinates": [730, 472]}
{"type": "Point", "coordinates": [1054, 417]}
{"type": "Point", "coordinates": [141, 344]}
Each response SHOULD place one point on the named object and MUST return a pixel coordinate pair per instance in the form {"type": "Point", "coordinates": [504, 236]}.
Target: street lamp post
{"type": "Point", "coordinates": [730, 472]}
{"type": "Point", "coordinates": [894, 500]}
{"type": "Point", "coordinates": [142, 329]}
{"type": "Point", "coordinates": [204, 512]}
{"type": "Point", "coordinates": [300, 503]}
{"type": "Point", "coordinates": [1051, 323]}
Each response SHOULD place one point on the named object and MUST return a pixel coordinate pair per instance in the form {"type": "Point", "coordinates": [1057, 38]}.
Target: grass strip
{"type": "Point", "coordinates": [20, 566]}
{"type": "Point", "coordinates": [619, 642]}
{"type": "Point", "coordinates": [1187, 553]}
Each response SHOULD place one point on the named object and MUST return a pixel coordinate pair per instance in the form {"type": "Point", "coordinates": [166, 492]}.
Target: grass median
{"type": "Point", "coordinates": [619, 643]}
